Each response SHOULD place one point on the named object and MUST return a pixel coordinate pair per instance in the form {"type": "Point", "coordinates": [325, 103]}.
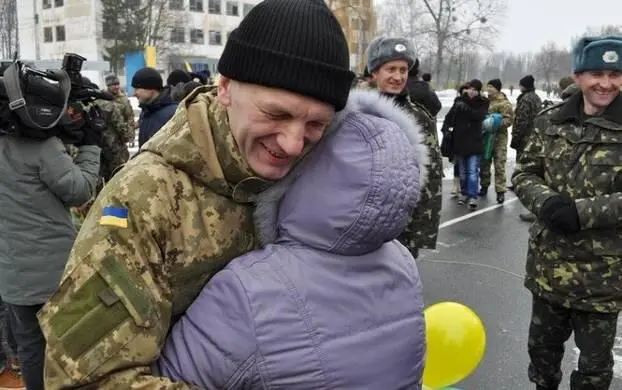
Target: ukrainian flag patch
{"type": "Point", "coordinates": [114, 216]}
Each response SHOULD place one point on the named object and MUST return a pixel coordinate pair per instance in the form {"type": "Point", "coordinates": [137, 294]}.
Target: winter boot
{"type": "Point", "coordinates": [462, 199]}
{"type": "Point", "coordinates": [500, 197]}
{"type": "Point", "coordinates": [472, 204]}
{"type": "Point", "coordinates": [456, 188]}
{"type": "Point", "coordinates": [483, 192]}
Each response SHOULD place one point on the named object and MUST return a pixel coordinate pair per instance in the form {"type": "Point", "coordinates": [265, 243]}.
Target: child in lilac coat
{"type": "Point", "coordinates": [332, 301]}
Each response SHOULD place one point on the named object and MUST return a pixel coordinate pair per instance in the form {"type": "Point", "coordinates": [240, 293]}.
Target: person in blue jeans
{"type": "Point", "coordinates": [465, 121]}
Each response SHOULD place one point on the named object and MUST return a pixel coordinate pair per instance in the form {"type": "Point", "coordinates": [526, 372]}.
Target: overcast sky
{"type": "Point", "coordinates": [531, 23]}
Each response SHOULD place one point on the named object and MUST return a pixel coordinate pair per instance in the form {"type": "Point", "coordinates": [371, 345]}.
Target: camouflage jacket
{"type": "Point", "coordinates": [127, 112]}
{"type": "Point", "coordinates": [582, 158]}
{"type": "Point", "coordinates": [528, 105]}
{"type": "Point", "coordinates": [500, 103]}
{"type": "Point", "coordinates": [175, 215]}
{"type": "Point", "coordinates": [114, 147]}
{"type": "Point", "coordinates": [422, 229]}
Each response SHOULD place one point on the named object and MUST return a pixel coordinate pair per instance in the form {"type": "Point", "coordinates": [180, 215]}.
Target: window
{"type": "Point", "coordinates": [356, 23]}
{"type": "Point", "coordinates": [365, 25]}
{"type": "Point", "coordinates": [47, 4]}
{"type": "Point", "coordinates": [214, 6]}
{"type": "Point", "coordinates": [215, 37]}
{"type": "Point", "coordinates": [232, 8]}
{"type": "Point", "coordinates": [196, 5]}
{"type": "Point", "coordinates": [367, 4]}
{"type": "Point", "coordinates": [47, 34]}
{"type": "Point", "coordinates": [196, 36]}
{"type": "Point", "coordinates": [58, 3]}
{"type": "Point", "coordinates": [247, 8]}
{"type": "Point", "coordinates": [178, 35]}
{"type": "Point", "coordinates": [60, 33]}
{"type": "Point", "coordinates": [176, 5]}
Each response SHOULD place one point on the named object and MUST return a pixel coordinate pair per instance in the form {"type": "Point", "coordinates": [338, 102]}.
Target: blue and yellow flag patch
{"type": "Point", "coordinates": [114, 216]}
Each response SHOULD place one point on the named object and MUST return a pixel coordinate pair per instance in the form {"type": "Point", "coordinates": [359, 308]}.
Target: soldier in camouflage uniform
{"type": "Point", "coordinates": [528, 105]}
{"type": "Point", "coordinates": [181, 209]}
{"type": "Point", "coordinates": [127, 112]}
{"type": "Point", "coordinates": [114, 139]}
{"type": "Point", "coordinates": [389, 60]}
{"type": "Point", "coordinates": [499, 103]}
{"type": "Point", "coordinates": [570, 176]}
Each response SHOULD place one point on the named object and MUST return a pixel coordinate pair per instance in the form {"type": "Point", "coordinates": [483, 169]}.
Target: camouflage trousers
{"type": "Point", "coordinates": [594, 334]}
{"type": "Point", "coordinates": [499, 157]}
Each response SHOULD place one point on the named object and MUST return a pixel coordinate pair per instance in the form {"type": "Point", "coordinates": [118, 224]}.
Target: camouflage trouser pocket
{"type": "Point", "coordinates": [99, 308]}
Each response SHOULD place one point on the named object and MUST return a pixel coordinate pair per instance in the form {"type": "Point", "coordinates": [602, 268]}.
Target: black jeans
{"type": "Point", "coordinates": [30, 343]}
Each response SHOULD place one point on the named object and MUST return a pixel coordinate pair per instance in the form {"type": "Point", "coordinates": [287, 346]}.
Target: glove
{"type": "Point", "coordinates": [559, 214]}
{"type": "Point", "coordinates": [94, 127]}
{"type": "Point", "coordinates": [515, 144]}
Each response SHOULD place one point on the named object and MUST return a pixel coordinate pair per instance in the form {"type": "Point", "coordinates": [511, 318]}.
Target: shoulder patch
{"type": "Point", "coordinates": [114, 216]}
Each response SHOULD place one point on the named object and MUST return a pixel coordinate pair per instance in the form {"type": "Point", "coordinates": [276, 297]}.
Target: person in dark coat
{"type": "Point", "coordinates": [420, 91]}
{"type": "Point", "coordinates": [465, 118]}
{"type": "Point", "coordinates": [157, 107]}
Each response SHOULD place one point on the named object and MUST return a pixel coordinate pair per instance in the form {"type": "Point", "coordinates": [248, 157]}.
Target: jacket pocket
{"type": "Point", "coordinates": [605, 168]}
{"type": "Point", "coordinates": [100, 307]}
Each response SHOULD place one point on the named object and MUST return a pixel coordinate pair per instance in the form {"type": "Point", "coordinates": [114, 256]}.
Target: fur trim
{"type": "Point", "coordinates": [366, 101]}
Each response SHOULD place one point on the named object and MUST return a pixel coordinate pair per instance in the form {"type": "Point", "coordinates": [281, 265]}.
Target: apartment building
{"type": "Point", "coordinates": [49, 28]}
{"type": "Point", "coordinates": [358, 19]}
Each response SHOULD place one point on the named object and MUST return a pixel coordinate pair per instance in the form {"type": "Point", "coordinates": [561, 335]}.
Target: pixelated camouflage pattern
{"type": "Point", "coordinates": [528, 105]}
{"type": "Point", "coordinates": [114, 147]}
{"type": "Point", "coordinates": [583, 160]}
{"type": "Point", "coordinates": [127, 112]}
{"type": "Point", "coordinates": [498, 103]}
{"type": "Point", "coordinates": [594, 334]}
{"type": "Point", "coordinates": [189, 194]}
{"type": "Point", "coordinates": [422, 229]}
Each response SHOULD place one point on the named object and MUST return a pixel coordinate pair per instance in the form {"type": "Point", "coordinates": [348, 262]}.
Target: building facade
{"type": "Point", "coordinates": [358, 19]}
{"type": "Point", "coordinates": [49, 28]}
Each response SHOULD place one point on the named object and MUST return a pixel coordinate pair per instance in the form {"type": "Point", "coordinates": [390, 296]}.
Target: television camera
{"type": "Point", "coordinates": [39, 104]}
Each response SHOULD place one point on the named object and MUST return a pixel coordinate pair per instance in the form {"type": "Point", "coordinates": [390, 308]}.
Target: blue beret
{"type": "Point", "coordinates": [597, 53]}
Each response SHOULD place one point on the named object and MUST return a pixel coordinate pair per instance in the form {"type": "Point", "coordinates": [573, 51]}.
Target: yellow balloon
{"type": "Point", "coordinates": [456, 341]}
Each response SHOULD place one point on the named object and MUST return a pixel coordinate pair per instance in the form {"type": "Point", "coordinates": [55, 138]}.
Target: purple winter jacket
{"type": "Point", "coordinates": [332, 301]}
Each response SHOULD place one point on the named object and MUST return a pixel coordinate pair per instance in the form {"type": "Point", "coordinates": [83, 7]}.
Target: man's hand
{"type": "Point", "coordinates": [559, 214]}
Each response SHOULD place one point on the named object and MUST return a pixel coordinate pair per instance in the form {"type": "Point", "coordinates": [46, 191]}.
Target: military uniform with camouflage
{"type": "Point", "coordinates": [528, 105]}
{"type": "Point", "coordinates": [125, 107]}
{"type": "Point", "coordinates": [570, 176]}
{"type": "Point", "coordinates": [182, 209]}
{"type": "Point", "coordinates": [499, 103]}
{"type": "Point", "coordinates": [384, 58]}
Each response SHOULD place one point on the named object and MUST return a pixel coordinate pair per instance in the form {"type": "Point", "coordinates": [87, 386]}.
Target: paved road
{"type": "Point", "coordinates": [480, 262]}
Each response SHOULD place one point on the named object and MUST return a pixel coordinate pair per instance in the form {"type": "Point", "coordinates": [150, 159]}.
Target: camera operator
{"type": "Point", "coordinates": [39, 181]}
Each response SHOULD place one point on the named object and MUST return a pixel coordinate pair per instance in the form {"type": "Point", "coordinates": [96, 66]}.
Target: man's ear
{"type": "Point", "coordinates": [224, 91]}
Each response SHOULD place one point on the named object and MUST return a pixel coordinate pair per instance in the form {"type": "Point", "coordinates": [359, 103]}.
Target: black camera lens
{"type": "Point", "coordinates": [72, 62]}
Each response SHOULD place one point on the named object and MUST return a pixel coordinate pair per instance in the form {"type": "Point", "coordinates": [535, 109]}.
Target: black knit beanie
{"type": "Point", "coordinates": [527, 82]}
{"type": "Point", "coordinates": [296, 45]}
{"type": "Point", "coordinates": [495, 83]}
{"type": "Point", "coordinates": [476, 84]}
{"type": "Point", "coordinates": [178, 76]}
{"type": "Point", "coordinates": [147, 78]}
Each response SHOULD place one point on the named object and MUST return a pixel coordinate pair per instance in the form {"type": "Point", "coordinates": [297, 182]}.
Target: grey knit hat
{"type": "Point", "coordinates": [383, 50]}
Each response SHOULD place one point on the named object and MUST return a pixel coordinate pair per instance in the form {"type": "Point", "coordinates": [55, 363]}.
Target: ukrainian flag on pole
{"type": "Point", "coordinates": [150, 56]}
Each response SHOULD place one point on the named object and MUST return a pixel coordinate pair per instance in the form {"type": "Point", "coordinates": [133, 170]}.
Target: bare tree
{"type": "Point", "coordinates": [548, 60]}
{"type": "Point", "coordinates": [131, 25]}
{"type": "Point", "coordinates": [9, 44]}
{"type": "Point", "coordinates": [470, 22]}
